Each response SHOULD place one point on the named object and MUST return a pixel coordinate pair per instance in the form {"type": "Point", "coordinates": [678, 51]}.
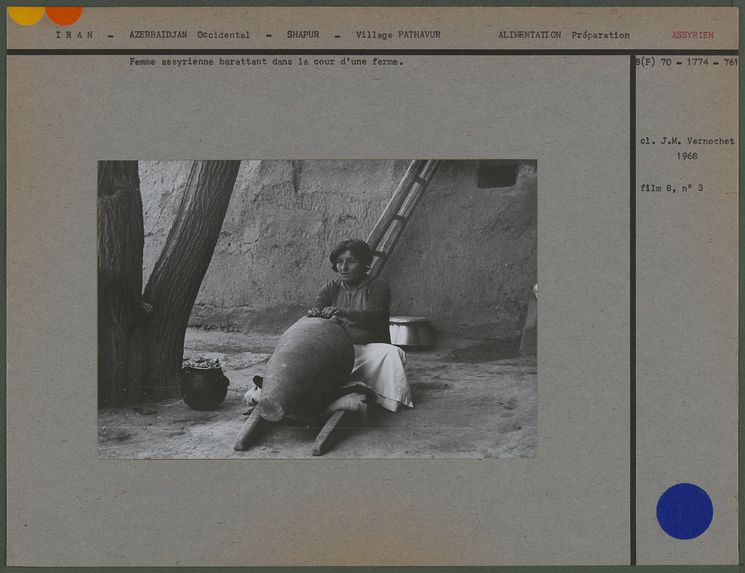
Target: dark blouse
{"type": "Point", "coordinates": [368, 304]}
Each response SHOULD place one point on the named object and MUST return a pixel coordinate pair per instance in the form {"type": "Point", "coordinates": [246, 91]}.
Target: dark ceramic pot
{"type": "Point", "coordinates": [204, 388]}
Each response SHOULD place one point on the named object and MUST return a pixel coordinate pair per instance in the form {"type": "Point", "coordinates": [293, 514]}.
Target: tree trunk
{"type": "Point", "coordinates": [174, 283]}
{"type": "Point", "coordinates": [120, 314]}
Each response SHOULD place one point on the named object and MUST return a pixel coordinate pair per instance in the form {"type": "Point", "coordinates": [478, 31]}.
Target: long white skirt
{"type": "Point", "coordinates": [381, 366]}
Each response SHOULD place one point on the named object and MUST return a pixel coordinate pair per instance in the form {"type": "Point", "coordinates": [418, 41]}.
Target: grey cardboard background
{"type": "Point", "coordinates": [568, 505]}
{"type": "Point", "coordinates": [686, 295]}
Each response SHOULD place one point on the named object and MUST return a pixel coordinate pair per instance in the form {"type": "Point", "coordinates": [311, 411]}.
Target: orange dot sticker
{"type": "Point", "coordinates": [25, 15]}
{"type": "Point", "coordinates": [64, 15]}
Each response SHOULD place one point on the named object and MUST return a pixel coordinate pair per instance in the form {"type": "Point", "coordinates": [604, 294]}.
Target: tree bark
{"type": "Point", "coordinates": [120, 314]}
{"type": "Point", "coordinates": [174, 283]}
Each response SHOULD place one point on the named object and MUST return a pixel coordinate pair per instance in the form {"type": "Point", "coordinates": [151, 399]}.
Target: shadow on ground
{"type": "Point", "coordinates": [472, 399]}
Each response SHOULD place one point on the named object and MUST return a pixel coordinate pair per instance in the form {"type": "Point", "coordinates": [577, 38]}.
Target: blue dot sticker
{"type": "Point", "coordinates": [684, 511]}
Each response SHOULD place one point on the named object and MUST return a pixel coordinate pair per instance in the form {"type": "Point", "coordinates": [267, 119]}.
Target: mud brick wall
{"type": "Point", "coordinates": [467, 260]}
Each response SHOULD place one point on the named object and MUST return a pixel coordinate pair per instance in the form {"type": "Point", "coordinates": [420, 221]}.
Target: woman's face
{"type": "Point", "coordinates": [349, 267]}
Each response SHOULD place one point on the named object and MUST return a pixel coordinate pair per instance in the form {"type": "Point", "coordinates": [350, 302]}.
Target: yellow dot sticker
{"type": "Point", "coordinates": [25, 15]}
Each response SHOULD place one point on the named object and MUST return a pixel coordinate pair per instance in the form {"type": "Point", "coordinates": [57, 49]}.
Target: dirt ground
{"type": "Point", "coordinates": [471, 400]}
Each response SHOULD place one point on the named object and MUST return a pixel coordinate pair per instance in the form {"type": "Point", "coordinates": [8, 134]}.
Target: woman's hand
{"type": "Point", "coordinates": [330, 311]}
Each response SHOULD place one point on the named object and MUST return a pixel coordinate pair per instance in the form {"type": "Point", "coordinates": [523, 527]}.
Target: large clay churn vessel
{"type": "Point", "coordinates": [313, 358]}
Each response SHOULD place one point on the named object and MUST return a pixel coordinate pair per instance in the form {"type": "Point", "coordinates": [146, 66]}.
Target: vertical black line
{"type": "Point", "coordinates": [632, 311]}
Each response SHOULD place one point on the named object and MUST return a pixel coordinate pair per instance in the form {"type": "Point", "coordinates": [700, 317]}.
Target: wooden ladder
{"type": "Point", "coordinates": [397, 213]}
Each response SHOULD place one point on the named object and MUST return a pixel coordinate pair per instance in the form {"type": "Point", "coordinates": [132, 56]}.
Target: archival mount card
{"type": "Point", "coordinates": [372, 286]}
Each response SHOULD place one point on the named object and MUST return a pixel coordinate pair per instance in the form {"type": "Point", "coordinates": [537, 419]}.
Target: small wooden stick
{"type": "Point", "coordinates": [244, 436]}
{"type": "Point", "coordinates": [320, 446]}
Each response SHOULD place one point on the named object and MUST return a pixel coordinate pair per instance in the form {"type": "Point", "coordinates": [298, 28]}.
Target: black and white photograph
{"type": "Point", "coordinates": [289, 309]}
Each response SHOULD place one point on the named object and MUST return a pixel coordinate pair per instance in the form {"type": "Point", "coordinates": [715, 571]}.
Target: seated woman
{"type": "Point", "coordinates": [361, 304]}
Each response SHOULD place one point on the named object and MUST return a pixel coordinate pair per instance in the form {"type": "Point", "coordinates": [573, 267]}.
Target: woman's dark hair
{"type": "Point", "coordinates": [357, 247]}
